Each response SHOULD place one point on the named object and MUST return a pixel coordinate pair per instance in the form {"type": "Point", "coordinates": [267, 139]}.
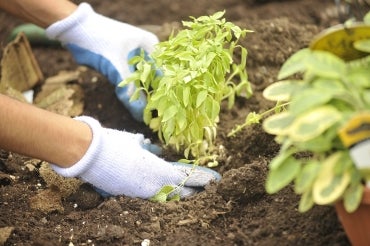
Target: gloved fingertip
{"type": "Point", "coordinates": [216, 176]}
{"type": "Point", "coordinates": [189, 191]}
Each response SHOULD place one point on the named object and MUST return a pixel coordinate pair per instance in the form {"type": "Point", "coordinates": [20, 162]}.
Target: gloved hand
{"type": "Point", "coordinates": [105, 45]}
{"type": "Point", "coordinates": [118, 163]}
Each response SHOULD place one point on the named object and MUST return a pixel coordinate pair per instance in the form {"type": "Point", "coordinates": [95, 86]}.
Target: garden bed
{"type": "Point", "coordinates": [236, 211]}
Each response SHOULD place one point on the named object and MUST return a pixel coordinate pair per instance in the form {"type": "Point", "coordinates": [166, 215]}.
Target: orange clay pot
{"type": "Point", "coordinates": [357, 223]}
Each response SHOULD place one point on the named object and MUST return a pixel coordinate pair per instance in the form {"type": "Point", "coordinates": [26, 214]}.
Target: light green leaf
{"type": "Point", "coordinates": [307, 176]}
{"type": "Point", "coordinates": [352, 197]}
{"type": "Point", "coordinates": [282, 90]}
{"type": "Point", "coordinates": [325, 64]}
{"type": "Point", "coordinates": [367, 18]}
{"type": "Point", "coordinates": [313, 123]}
{"type": "Point", "coordinates": [202, 95]}
{"type": "Point", "coordinates": [280, 159]}
{"type": "Point", "coordinates": [294, 64]}
{"type": "Point", "coordinates": [163, 195]}
{"type": "Point", "coordinates": [278, 124]}
{"type": "Point", "coordinates": [181, 122]}
{"type": "Point", "coordinates": [155, 123]}
{"type": "Point", "coordinates": [320, 144]}
{"type": "Point", "coordinates": [147, 116]}
{"type": "Point", "coordinates": [362, 45]}
{"type": "Point", "coordinates": [147, 68]}
{"type": "Point", "coordinates": [308, 99]}
{"type": "Point", "coordinates": [329, 187]}
{"type": "Point", "coordinates": [329, 86]}
{"type": "Point", "coordinates": [195, 131]}
{"type": "Point", "coordinates": [135, 95]}
{"type": "Point", "coordinates": [306, 202]}
{"type": "Point", "coordinates": [282, 176]}
{"type": "Point", "coordinates": [169, 113]}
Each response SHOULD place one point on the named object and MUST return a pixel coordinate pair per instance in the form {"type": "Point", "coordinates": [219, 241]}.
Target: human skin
{"type": "Point", "coordinates": [39, 12]}
{"type": "Point", "coordinates": [34, 132]}
{"type": "Point", "coordinates": [31, 131]}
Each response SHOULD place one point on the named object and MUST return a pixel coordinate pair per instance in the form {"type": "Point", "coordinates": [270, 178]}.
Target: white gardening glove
{"type": "Point", "coordinates": [117, 162]}
{"type": "Point", "coordinates": [105, 45]}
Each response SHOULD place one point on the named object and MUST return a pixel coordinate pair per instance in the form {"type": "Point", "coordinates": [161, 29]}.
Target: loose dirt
{"type": "Point", "coordinates": [236, 211]}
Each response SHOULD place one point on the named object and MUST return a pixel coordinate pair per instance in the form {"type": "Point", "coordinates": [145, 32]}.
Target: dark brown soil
{"type": "Point", "coordinates": [237, 211]}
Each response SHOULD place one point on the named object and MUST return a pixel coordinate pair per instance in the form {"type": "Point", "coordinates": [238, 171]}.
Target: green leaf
{"type": "Point", "coordinates": [280, 159]}
{"type": "Point", "coordinates": [319, 144]}
{"type": "Point", "coordinates": [308, 99]}
{"type": "Point", "coordinates": [329, 86]}
{"type": "Point", "coordinates": [325, 64]}
{"type": "Point", "coordinates": [329, 187]}
{"type": "Point", "coordinates": [135, 95]}
{"type": "Point", "coordinates": [367, 18]}
{"type": "Point", "coordinates": [181, 122]}
{"type": "Point", "coordinates": [169, 113]}
{"type": "Point", "coordinates": [313, 123]}
{"type": "Point", "coordinates": [306, 177]}
{"type": "Point", "coordinates": [294, 64]}
{"type": "Point", "coordinates": [165, 194]}
{"type": "Point", "coordinates": [280, 177]}
{"type": "Point", "coordinates": [352, 197]}
{"type": "Point", "coordinates": [147, 68]}
{"type": "Point", "coordinates": [186, 96]}
{"type": "Point", "coordinates": [278, 124]}
{"type": "Point", "coordinates": [362, 45]}
{"type": "Point", "coordinates": [282, 90]}
{"type": "Point", "coordinates": [306, 202]}
{"type": "Point", "coordinates": [155, 123]}
{"type": "Point", "coordinates": [202, 95]}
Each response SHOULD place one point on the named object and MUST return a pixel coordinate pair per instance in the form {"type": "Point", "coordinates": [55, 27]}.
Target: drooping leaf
{"type": "Point", "coordinates": [352, 197]}
{"type": "Point", "coordinates": [329, 187]}
{"type": "Point", "coordinates": [306, 202]}
{"type": "Point", "coordinates": [280, 159]}
{"type": "Point", "coordinates": [307, 176]}
{"type": "Point", "coordinates": [280, 177]}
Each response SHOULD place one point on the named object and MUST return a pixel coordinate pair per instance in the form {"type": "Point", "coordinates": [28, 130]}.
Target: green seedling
{"type": "Point", "coordinates": [187, 77]}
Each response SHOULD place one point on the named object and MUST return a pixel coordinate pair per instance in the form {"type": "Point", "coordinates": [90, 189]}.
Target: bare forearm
{"type": "Point", "coordinates": [39, 12]}
{"type": "Point", "coordinates": [34, 132]}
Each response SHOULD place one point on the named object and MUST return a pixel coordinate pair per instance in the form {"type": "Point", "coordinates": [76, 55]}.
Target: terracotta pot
{"type": "Point", "coordinates": [356, 224]}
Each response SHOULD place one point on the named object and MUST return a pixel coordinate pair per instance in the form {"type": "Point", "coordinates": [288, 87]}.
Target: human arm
{"type": "Point", "coordinates": [40, 12]}
{"type": "Point", "coordinates": [94, 40]}
{"type": "Point", "coordinates": [34, 132]}
{"type": "Point", "coordinates": [114, 161]}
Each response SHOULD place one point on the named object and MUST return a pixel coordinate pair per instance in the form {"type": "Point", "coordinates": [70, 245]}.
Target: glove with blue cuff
{"type": "Point", "coordinates": [119, 163]}
{"type": "Point", "coordinates": [105, 45]}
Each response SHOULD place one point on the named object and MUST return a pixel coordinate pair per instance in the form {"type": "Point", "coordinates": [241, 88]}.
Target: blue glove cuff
{"type": "Point", "coordinates": [100, 63]}
{"type": "Point", "coordinates": [96, 61]}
